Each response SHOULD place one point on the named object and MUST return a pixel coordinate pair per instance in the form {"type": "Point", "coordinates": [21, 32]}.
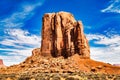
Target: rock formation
{"type": "Point", "coordinates": [63, 36]}
{"type": "Point", "coordinates": [116, 64]}
{"type": "Point", "coordinates": [1, 62]}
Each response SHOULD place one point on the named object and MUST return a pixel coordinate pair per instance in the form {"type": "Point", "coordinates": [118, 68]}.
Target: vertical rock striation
{"type": "Point", "coordinates": [62, 35]}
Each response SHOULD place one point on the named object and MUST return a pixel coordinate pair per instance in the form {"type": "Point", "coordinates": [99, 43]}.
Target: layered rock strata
{"type": "Point", "coordinates": [63, 36]}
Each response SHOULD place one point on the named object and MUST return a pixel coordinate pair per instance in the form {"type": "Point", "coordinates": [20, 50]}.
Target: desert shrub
{"type": "Point", "coordinates": [40, 78]}
{"type": "Point", "coordinates": [56, 78]}
{"type": "Point", "coordinates": [70, 78]}
{"type": "Point", "coordinates": [24, 78]}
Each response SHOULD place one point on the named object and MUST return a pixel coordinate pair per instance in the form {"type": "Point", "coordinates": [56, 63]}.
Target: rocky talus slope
{"type": "Point", "coordinates": [38, 67]}
{"type": "Point", "coordinates": [64, 55]}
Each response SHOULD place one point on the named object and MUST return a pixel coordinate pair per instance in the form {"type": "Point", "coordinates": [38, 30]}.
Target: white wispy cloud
{"type": "Point", "coordinates": [105, 54]}
{"type": "Point", "coordinates": [18, 18]}
{"type": "Point", "coordinates": [10, 60]}
{"type": "Point", "coordinates": [16, 44]}
{"type": "Point", "coordinates": [23, 43]}
{"type": "Point", "coordinates": [110, 52]}
{"type": "Point", "coordinates": [19, 36]}
{"type": "Point", "coordinates": [105, 40]}
{"type": "Point", "coordinates": [113, 7]}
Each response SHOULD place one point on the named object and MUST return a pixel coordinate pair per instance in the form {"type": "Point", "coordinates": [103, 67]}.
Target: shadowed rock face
{"type": "Point", "coordinates": [63, 36]}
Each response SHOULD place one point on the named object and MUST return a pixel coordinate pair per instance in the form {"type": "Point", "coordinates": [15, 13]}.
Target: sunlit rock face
{"type": "Point", "coordinates": [1, 62]}
{"type": "Point", "coordinates": [63, 36]}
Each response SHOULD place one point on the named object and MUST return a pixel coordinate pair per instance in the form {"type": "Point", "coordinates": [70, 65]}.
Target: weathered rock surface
{"type": "Point", "coordinates": [63, 36]}
{"type": "Point", "coordinates": [2, 64]}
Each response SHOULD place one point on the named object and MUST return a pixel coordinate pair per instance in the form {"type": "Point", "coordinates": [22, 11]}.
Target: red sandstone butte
{"type": "Point", "coordinates": [63, 36]}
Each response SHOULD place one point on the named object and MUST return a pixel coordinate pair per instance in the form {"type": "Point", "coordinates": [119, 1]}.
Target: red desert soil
{"type": "Point", "coordinates": [90, 65]}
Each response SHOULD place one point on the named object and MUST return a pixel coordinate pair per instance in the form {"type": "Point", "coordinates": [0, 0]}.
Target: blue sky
{"type": "Point", "coordinates": [21, 21]}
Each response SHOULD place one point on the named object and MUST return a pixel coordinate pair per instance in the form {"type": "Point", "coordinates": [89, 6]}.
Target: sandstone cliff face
{"type": "Point", "coordinates": [1, 62]}
{"type": "Point", "coordinates": [62, 35]}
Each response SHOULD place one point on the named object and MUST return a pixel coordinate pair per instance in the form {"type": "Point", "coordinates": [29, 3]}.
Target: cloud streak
{"type": "Point", "coordinates": [18, 18]}
{"type": "Point", "coordinates": [113, 7]}
{"type": "Point", "coordinates": [18, 43]}
{"type": "Point", "coordinates": [110, 52]}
